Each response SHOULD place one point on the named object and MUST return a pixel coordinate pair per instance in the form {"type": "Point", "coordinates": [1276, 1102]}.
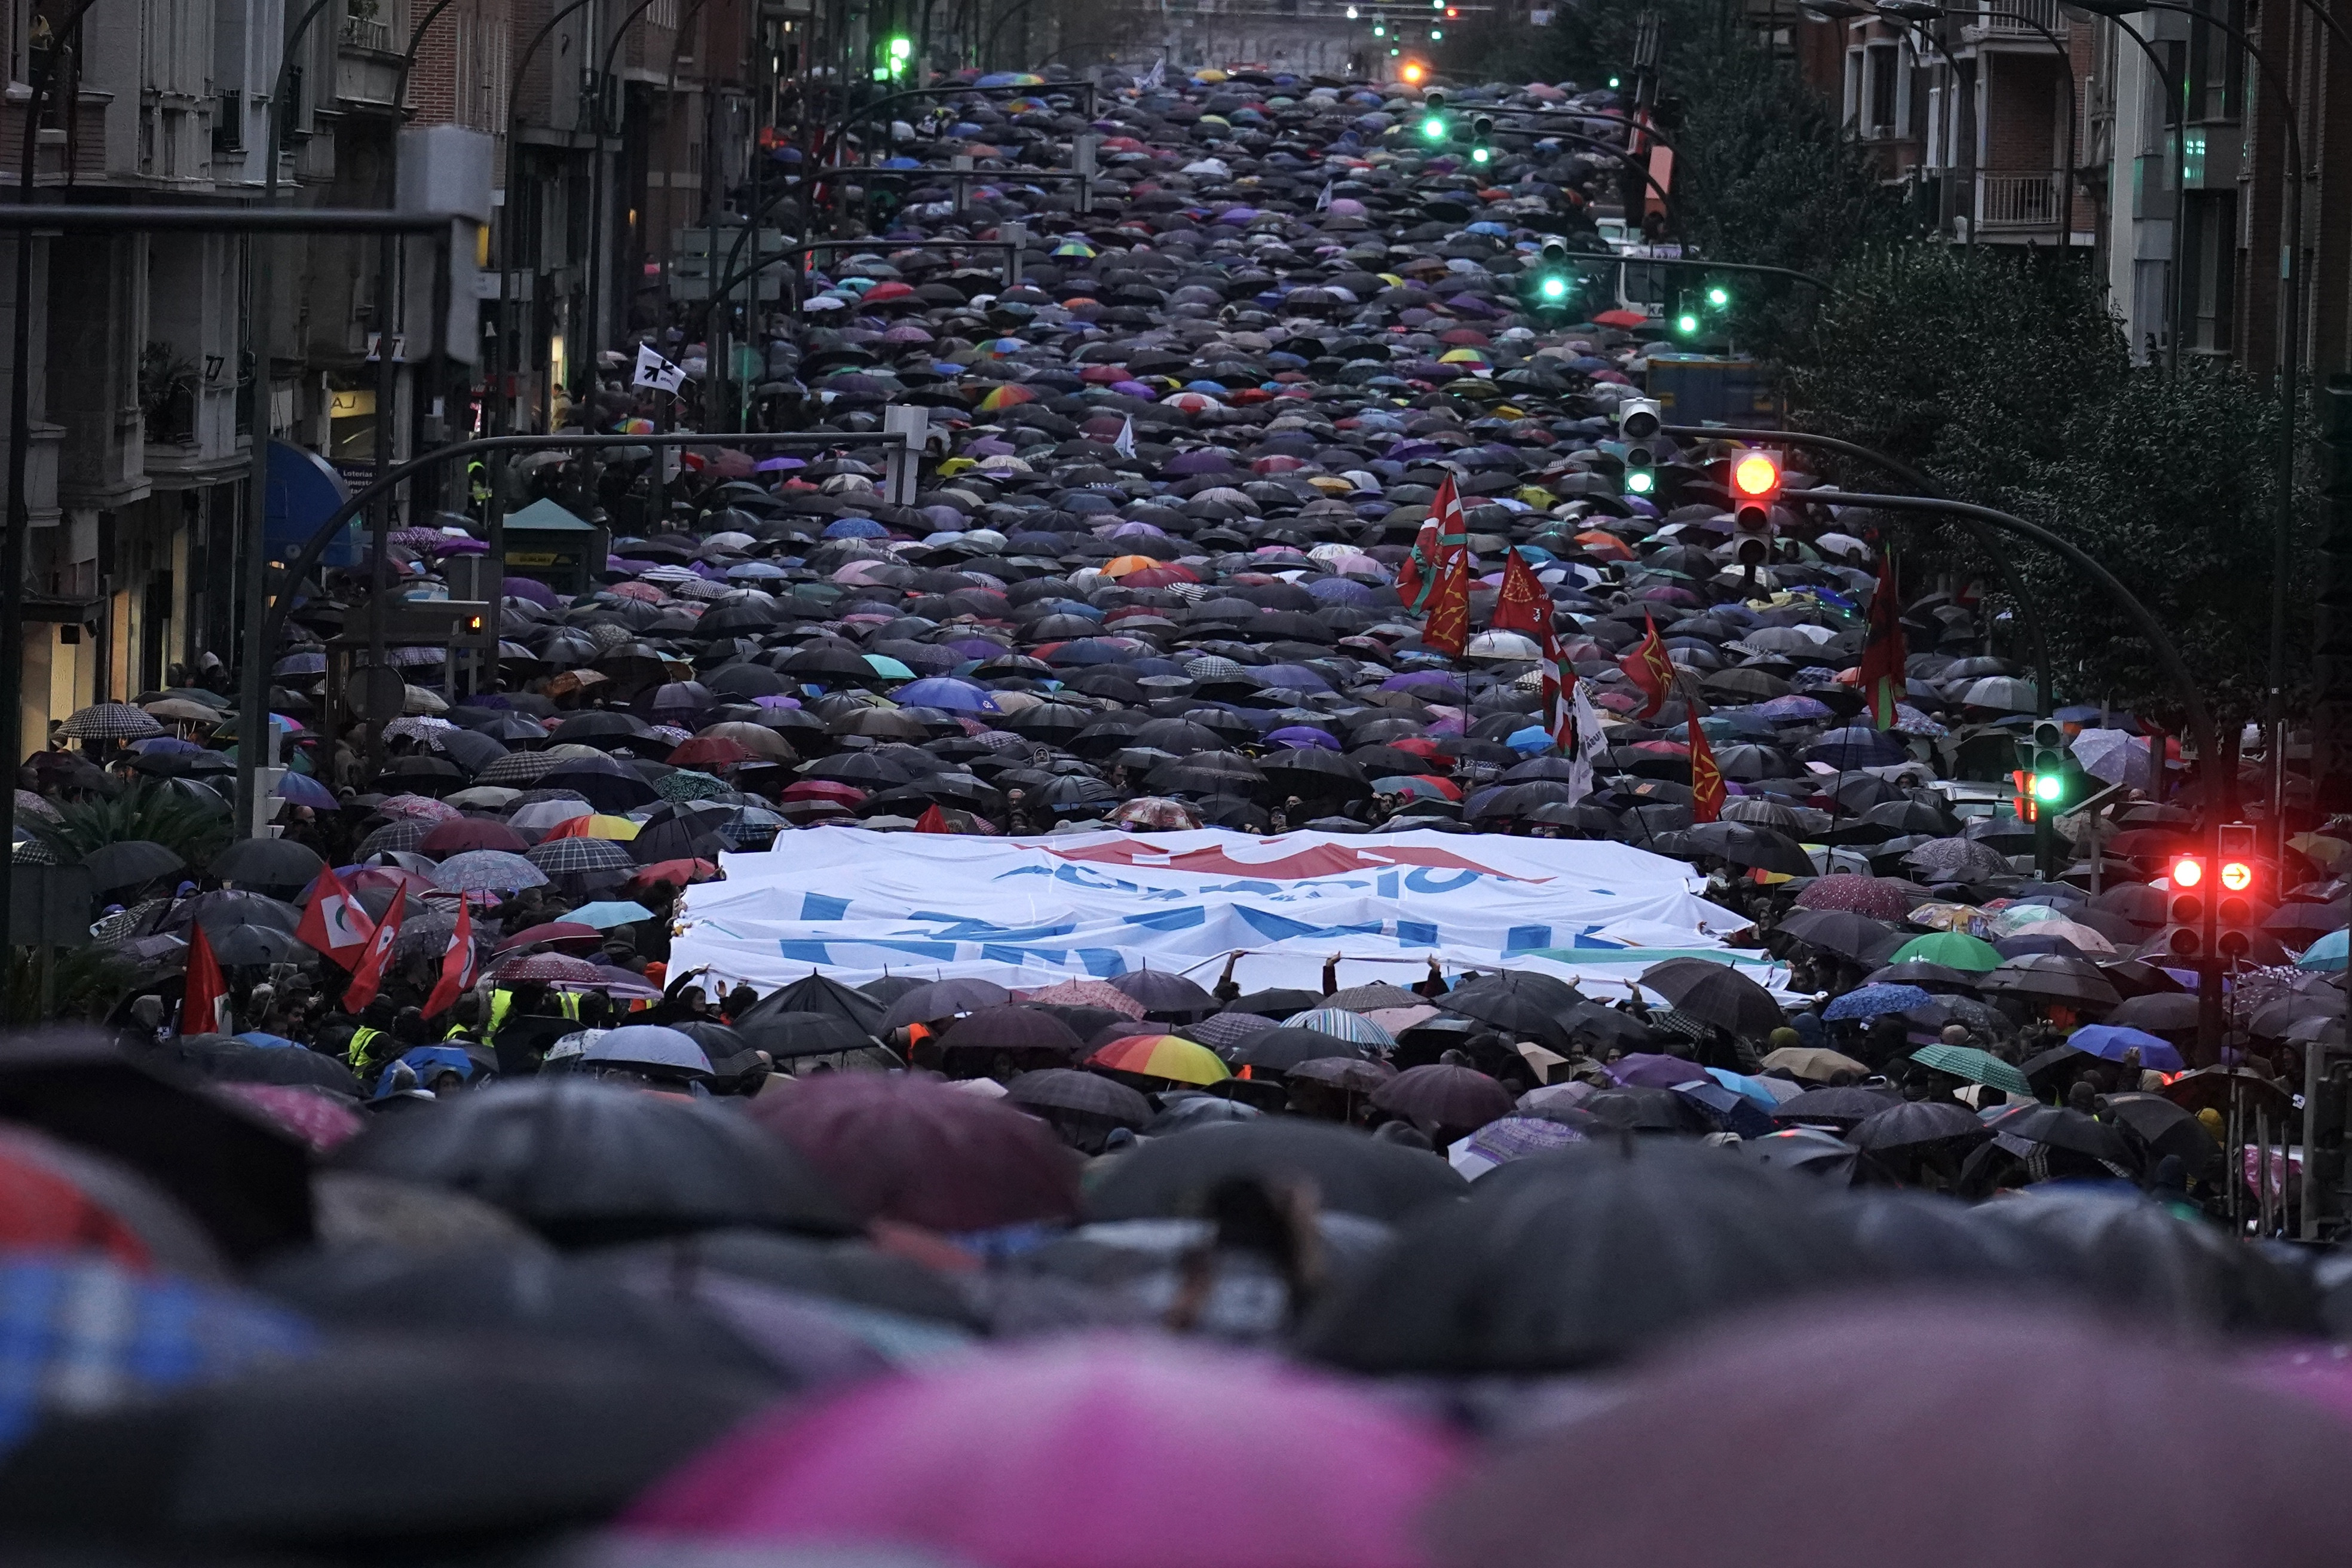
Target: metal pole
{"type": "Point", "coordinates": [253, 686]}
{"type": "Point", "coordinates": [2159, 641]}
{"type": "Point", "coordinates": [2001, 559]}
{"type": "Point", "coordinates": [598, 241]}
{"type": "Point", "coordinates": [510, 238]}
{"type": "Point", "coordinates": [20, 504]}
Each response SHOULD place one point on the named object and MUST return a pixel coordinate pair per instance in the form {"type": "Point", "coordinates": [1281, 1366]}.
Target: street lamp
{"type": "Point", "coordinates": [2290, 355]}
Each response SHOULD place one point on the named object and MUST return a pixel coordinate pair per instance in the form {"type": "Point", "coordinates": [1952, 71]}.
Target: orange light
{"type": "Point", "coordinates": [2237, 876]}
{"type": "Point", "coordinates": [1756, 474]}
{"type": "Point", "coordinates": [1414, 72]}
{"type": "Point", "coordinates": [2187, 871]}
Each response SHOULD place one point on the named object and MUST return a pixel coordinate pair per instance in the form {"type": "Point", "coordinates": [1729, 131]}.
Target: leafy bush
{"type": "Point", "coordinates": [155, 812]}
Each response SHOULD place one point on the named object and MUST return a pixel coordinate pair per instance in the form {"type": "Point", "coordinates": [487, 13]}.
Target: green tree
{"type": "Point", "coordinates": [154, 812]}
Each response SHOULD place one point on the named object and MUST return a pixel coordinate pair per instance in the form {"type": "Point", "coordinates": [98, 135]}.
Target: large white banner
{"type": "Point", "coordinates": [1031, 912]}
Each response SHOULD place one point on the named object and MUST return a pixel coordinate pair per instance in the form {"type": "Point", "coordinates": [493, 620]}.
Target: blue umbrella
{"type": "Point", "coordinates": [301, 789]}
{"type": "Point", "coordinates": [2329, 953]}
{"type": "Point", "coordinates": [274, 1042]}
{"type": "Point", "coordinates": [650, 1045]}
{"type": "Point", "coordinates": [1302, 735]}
{"type": "Point", "coordinates": [855, 528]}
{"type": "Point", "coordinates": [2112, 1040]}
{"type": "Point", "coordinates": [948, 694]}
{"type": "Point", "coordinates": [606, 913]}
{"type": "Point", "coordinates": [1870, 1001]}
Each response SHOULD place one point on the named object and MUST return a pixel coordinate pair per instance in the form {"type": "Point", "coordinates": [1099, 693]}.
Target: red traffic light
{"type": "Point", "coordinates": [1756, 474]}
{"type": "Point", "coordinates": [2237, 876]}
{"type": "Point", "coordinates": [2187, 871]}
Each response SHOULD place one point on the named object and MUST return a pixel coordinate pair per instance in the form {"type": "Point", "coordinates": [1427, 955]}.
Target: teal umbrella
{"type": "Point", "coordinates": [606, 913]}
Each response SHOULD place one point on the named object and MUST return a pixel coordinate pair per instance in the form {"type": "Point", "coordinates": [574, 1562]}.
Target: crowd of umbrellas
{"type": "Point", "coordinates": [1950, 1245]}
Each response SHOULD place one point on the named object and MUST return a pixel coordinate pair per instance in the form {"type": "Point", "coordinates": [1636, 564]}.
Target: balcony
{"type": "Point", "coordinates": [2014, 20]}
{"type": "Point", "coordinates": [362, 34]}
{"type": "Point", "coordinates": [2012, 202]}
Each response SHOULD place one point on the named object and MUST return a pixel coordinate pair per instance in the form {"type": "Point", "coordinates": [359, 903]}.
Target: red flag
{"type": "Point", "coordinates": [933, 820]}
{"type": "Point", "coordinates": [456, 963]}
{"type": "Point", "coordinates": [1417, 572]}
{"type": "Point", "coordinates": [206, 1010]}
{"type": "Point", "coordinates": [1521, 605]}
{"type": "Point", "coordinates": [1448, 627]}
{"type": "Point", "coordinates": [1443, 536]}
{"type": "Point", "coordinates": [367, 978]}
{"type": "Point", "coordinates": [1649, 668]}
{"type": "Point", "coordinates": [1883, 655]}
{"type": "Point", "coordinates": [335, 923]}
{"type": "Point", "coordinates": [1706, 779]}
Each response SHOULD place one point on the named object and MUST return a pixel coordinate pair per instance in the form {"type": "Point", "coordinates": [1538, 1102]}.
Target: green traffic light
{"type": "Point", "coordinates": [2049, 788]}
{"type": "Point", "coordinates": [1718, 295]}
{"type": "Point", "coordinates": [1640, 481]}
{"type": "Point", "coordinates": [1481, 154]}
{"type": "Point", "coordinates": [1553, 288]}
{"type": "Point", "coordinates": [1613, 81]}
{"type": "Point", "coordinates": [1433, 128]}
{"type": "Point", "coordinates": [1686, 324]}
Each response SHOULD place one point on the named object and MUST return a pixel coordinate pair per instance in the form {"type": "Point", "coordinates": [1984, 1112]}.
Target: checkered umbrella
{"type": "Point", "coordinates": [406, 832]}
{"type": "Point", "coordinates": [518, 769]}
{"type": "Point", "coordinates": [110, 722]}
{"type": "Point", "coordinates": [549, 969]}
{"type": "Point", "coordinates": [572, 856]}
{"type": "Point", "coordinates": [487, 870]}
{"type": "Point", "coordinates": [417, 727]}
{"type": "Point", "coordinates": [84, 1334]}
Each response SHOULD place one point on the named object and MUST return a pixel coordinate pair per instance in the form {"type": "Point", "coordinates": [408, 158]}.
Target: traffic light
{"type": "Point", "coordinates": [1551, 282]}
{"type": "Point", "coordinates": [1755, 486]}
{"type": "Point", "coordinates": [1482, 132]}
{"type": "Point", "coordinates": [1637, 426]}
{"type": "Point", "coordinates": [2045, 763]}
{"type": "Point", "coordinates": [1687, 323]}
{"type": "Point", "coordinates": [2234, 909]}
{"type": "Point", "coordinates": [1719, 298]}
{"type": "Point", "coordinates": [1434, 126]}
{"type": "Point", "coordinates": [2185, 908]}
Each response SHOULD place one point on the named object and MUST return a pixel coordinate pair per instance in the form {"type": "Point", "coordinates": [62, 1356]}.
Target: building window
{"type": "Point", "coordinates": [229, 122]}
{"type": "Point", "coordinates": [1879, 100]}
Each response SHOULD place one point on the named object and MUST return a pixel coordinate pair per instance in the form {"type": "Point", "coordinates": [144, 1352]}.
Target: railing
{"type": "Point", "coordinates": [2014, 18]}
{"type": "Point", "coordinates": [366, 35]}
{"type": "Point", "coordinates": [2019, 201]}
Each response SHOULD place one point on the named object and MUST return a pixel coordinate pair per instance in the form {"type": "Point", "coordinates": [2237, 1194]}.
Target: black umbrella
{"type": "Point", "coordinates": [1848, 1104]}
{"type": "Point", "coordinates": [130, 861]}
{"type": "Point", "coordinates": [536, 1436]}
{"type": "Point", "coordinates": [1744, 844]}
{"type": "Point", "coordinates": [1716, 993]}
{"type": "Point", "coordinates": [926, 1003]}
{"type": "Point", "coordinates": [1347, 1170]}
{"type": "Point", "coordinates": [1157, 991]}
{"type": "Point", "coordinates": [1280, 1049]}
{"type": "Point", "coordinates": [268, 862]}
{"type": "Point", "coordinates": [245, 1181]}
{"type": "Point", "coordinates": [786, 1035]}
{"type": "Point", "coordinates": [584, 1163]}
{"type": "Point", "coordinates": [1845, 934]}
{"type": "Point", "coordinates": [1568, 1261]}
{"type": "Point", "coordinates": [2129, 1254]}
{"type": "Point", "coordinates": [815, 993]}
{"type": "Point", "coordinates": [1910, 1123]}
{"type": "Point", "coordinates": [1074, 1091]}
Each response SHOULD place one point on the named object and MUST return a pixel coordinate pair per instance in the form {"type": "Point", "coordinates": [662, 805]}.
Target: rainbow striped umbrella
{"type": "Point", "coordinates": [1006, 396]}
{"type": "Point", "coordinates": [1170, 1056]}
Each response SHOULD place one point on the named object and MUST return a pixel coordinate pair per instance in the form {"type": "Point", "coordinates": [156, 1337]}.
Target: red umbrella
{"type": "Point", "coordinates": [922, 1153]}
{"type": "Point", "coordinates": [681, 872]}
{"type": "Point", "coordinates": [1075, 1453]}
{"type": "Point", "coordinates": [1922, 1411]}
{"type": "Point", "coordinates": [472, 833]}
{"type": "Point", "coordinates": [708, 752]}
{"type": "Point", "coordinates": [553, 933]}
{"type": "Point", "coordinates": [824, 789]}
{"type": "Point", "coordinates": [1626, 319]}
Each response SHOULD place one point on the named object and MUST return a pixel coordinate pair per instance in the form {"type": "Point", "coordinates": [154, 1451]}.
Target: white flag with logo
{"type": "Point", "coordinates": [656, 372]}
{"type": "Point", "coordinates": [1323, 202]}
{"type": "Point", "coordinates": [1580, 739]}
{"type": "Point", "coordinates": [1156, 77]}
{"type": "Point", "coordinates": [1125, 444]}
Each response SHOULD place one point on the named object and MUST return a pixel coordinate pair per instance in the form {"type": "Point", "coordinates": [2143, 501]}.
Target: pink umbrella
{"type": "Point", "coordinates": [1097, 1452]}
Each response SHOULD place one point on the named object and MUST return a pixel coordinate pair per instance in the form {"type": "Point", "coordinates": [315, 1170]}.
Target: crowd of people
{"type": "Point", "coordinates": [401, 1202]}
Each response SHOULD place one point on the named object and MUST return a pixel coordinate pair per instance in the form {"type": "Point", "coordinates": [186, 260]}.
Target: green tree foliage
{"type": "Point", "coordinates": [154, 812]}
